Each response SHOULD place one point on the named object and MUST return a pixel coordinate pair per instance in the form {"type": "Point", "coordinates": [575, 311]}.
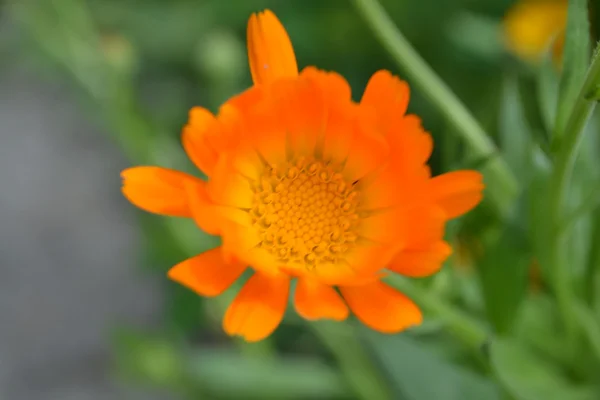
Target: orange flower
{"type": "Point", "coordinates": [303, 183]}
{"type": "Point", "coordinates": [531, 27]}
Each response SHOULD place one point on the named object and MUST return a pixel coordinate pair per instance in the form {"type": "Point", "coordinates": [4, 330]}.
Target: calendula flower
{"type": "Point", "coordinates": [533, 27]}
{"type": "Point", "coordinates": [306, 184]}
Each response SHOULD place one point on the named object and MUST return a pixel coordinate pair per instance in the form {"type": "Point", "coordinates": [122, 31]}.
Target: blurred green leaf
{"type": "Point", "coordinates": [539, 327]}
{"type": "Point", "coordinates": [184, 308]}
{"type": "Point", "coordinates": [529, 377]}
{"type": "Point", "coordinates": [515, 134]}
{"type": "Point", "coordinates": [162, 361]}
{"type": "Point", "coordinates": [547, 84]}
{"type": "Point", "coordinates": [533, 113]}
{"type": "Point", "coordinates": [151, 360]}
{"type": "Point", "coordinates": [225, 372]}
{"type": "Point", "coordinates": [504, 272]}
{"type": "Point", "coordinates": [477, 34]}
{"type": "Point", "coordinates": [593, 94]}
{"type": "Point", "coordinates": [592, 282]}
{"type": "Point", "coordinates": [539, 223]}
{"type": "Point", "coordinates": [576, 57]}
{"type": "Point", "coordinates": [362, 376]}
{"type": "Point", "coordinates": [591, 327]}
{"type": "Point", "coordinates": [418, 374]}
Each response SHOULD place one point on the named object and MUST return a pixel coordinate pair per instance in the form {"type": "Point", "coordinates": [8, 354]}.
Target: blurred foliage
{"type": "Point", "coordinates": [501, 324]}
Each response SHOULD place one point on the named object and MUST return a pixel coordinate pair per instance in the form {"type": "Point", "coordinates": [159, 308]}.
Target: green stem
{"type": "Point", "coordinates": [561, 177]}
{"type": "Point", "coordinates": [502, 186]}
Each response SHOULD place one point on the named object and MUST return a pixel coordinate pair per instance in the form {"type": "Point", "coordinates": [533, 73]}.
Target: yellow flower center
{"type": "Point", "coordinates": [305, 212]}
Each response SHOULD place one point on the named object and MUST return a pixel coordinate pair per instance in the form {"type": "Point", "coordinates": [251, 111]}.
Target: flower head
{"type": "Point", "coordinates": [532, 27]}
{"type": "Point", "coordinates": [303, 183]}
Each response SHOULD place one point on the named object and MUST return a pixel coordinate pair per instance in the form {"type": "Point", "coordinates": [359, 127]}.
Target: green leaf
{"type": "Point", "coordinates": [527, 376]}
{"type": "Point", "coordinates": [340, 339]}
{"type": "Point", "coordinates": [504, 276]}
{"type": "Point", "coordinates": [515, 134]}
{"type": "Point", "coordinates": [150, 360]}
{"type": "Point", "coordinates": [547, 85]}
{"type": "Point", "coordinates": [418, 374]}
{"type": "Point", "coordinates": [538, 326]}
{"type": "Point", "coordinates": [163, 361]}
{"type": "Point", "coordinates": [576, 58]}
{"type": "Point", "coordinates": [592, 284]}
{"type": "Point", "coordinates": [533, 112]}
{"type": "Point", "coordinates": [591, 327]}
{"type": "Point", "coordinates": [225, 372]}
{"type": "Point", "coordinates": [476, 34]}
{"type": "Point", "coordinates": [538, 215]}
{"type": "Point", "coordinates": [593, 94]}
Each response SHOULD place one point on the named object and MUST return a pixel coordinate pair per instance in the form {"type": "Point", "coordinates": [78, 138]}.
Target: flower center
{"type": "Point", "coordinates": [305, 212]}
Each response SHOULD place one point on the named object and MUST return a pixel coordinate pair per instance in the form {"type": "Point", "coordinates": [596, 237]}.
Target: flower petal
{"type": "Point", "coordinates": [299, 105]}
{"type": "Point", "coordinates": [335, 86]}
{"type": "Point", "coordinates": [270, 50]}
{"type": "Point", "coordinates": [227, 187]}
{"type": "Point", "coordinates": [366, 152]}
{"type": "Point", "coordinates": [313, 301]}
{"type": "Point", "coordinates": [384, 225]}
{"type": "Point", "coordinates": [259, 307]}
{"type": "Point", "coordinates": [457, 192]}
{"type": "Point", "coordinates": [208, 216]}
{"type": "Point", "coordinates": [264, 135]}
{"type": "Point", "coordinates": [158, 190]}
{"type": "Point", "coordinates": [202, 124]}
{"type": "Point", "coordinates": [421, 262]}
{"type": "Point", "coordinates": [388, 95]}
{"type": "Point", "coordinates": [361, 264]}
{"type": "Point", "coordinates": [207, 274]}
{"type": "Point", "coordinates": [381, 307]}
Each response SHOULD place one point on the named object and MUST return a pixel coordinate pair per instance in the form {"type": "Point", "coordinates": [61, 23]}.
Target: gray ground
{"type": "Point", "coordinates": [68, 244]}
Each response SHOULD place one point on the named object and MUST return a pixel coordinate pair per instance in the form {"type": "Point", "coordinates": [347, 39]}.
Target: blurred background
{"type": "Point", "coordinates": [90, 87]}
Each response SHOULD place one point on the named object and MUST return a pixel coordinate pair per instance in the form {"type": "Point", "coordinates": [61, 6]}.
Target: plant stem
{"type": "Point", "coordinates": [502, 186]}
{"type": "Point", "coordinates": [561, 177]}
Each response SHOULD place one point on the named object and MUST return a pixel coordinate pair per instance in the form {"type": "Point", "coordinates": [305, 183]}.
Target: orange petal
{"type": "Point", "coordinates": [388, 95]}
{"type": "Point", "coordinates": [362, 263]}
{"type": "Point", "coordinates": [299, 105]}
{"type": "Point", "coordinates": [194, 138]}
{"type": "Point", "coordinates": [207, 274]}
{"type": "Point", "coordinates": [381, 307]}
{"type": "Point", "coordinates": [410, 141]}
{"type": "Point", "coordinates": [367, 151]}
{"type": "Point", "coordinates": [259, 307]}
{"type": "Point", "coordinates": [208, 216]}
{"type": "Point", "coordinates": [421, 262]}
{"type": "Point", "coordinates": [334, 85]}
{"type": "Point", "coordinates": [384, 225]}
{"type": "Point", "coordinates": [227, 187]}
{"type": "Point", "coordinates": [339, 134]}
{"type": "Point", "coordinates": [270, 50]}
{"type": "Point", "coordinates": [158, 190]}
{"type": "Point", "coordinates": [314, 300]}
{"type": "Point", "coordinates": [367, 258]}
{"type": "Point", "coordinates": [457, 192]}
{"type": "Point", "coordinates": [265, 135]}
{"type": "Point", "coordinates": [344, 274]}
{"type": "Point", "coordinates": [424, 225]}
